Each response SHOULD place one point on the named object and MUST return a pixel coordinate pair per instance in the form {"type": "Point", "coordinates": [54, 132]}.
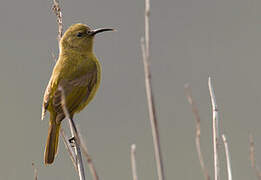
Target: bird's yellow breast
{"type": "Point", "coordinates": [95, 87]}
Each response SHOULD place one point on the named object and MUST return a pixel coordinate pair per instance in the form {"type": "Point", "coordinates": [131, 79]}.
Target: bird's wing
{"type": "Point", "coordinates": [77, 92]}
{"type": "Point", "coordinates": [46, 98]}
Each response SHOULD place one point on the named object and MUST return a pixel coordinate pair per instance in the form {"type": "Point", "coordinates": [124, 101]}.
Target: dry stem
{"type": "Point", "coordinates": [197, 137]}
{"type": "Point", "coordinates": [69, 148]}
{"type": "Point", "coordinates": [78, 140]}
{"type": "Point", "coordinates": [74, 133]}
{"type": "Point", "coordinates": [229, 169]}
{"type": "Point", "coordinates": [252, 157]}
{"type": "Point", "coordinates": [35, 172]}
{"type": "Point", "coordinates": [215, 129]}
{"type": "Point", "coordinates": [150, 98]}
{"type": "Point", "coordinates": [133, 162]}
{"type": "Point", "coordinates": [88, 158]}
{"type": "Point", "coordinates": [57, 10]}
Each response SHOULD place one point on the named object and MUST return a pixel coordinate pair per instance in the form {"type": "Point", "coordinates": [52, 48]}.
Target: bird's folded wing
{"type": "Point", "coordinates": [76, 93]}
{"type": "Point", "coordinates": [46, 99]}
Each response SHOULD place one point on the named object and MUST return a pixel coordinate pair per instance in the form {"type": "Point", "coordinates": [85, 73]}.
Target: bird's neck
{"type": "Point", "coordinates": [75, 57]}
{"type": "Point", "coordinates": [81, 50]}
{"type": "Point", "coordinates": [76, 52]}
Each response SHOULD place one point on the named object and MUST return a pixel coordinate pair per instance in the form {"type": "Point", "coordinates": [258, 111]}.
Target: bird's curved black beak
{"type": "Point", "coordinates": [96, 31]}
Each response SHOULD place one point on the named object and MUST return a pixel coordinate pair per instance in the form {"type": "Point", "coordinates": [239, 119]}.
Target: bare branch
{"type": "Point", "coordinates": [197, 137]}
{"type": "Point", "coordinates": [215, 129]}
{"type": "Point", "coordinates": [252, 157]}
{"type": "Point", "coordinates": [147, 28]}
{"type": "Point", "coordinates": [57, 11]}
{"type": "Point", "coordinates": [252, 151]}
{"type": "Point", "coordinates": [35, 171]}
{"type": "Point", "coordinates": [133, 162]}
{"type": "Point", "coordinates": [150, 98]}
{"type": "Point", "coordinates": [229, 169]}
{"type": "Point", "coordinates": [88, 158]}
{"type": "Point", "coordinates": [69, 148]}
{"type": "Point", "coordinates": [74, 133]}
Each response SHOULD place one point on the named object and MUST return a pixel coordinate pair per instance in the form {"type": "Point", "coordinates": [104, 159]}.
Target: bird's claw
{"type": "Point", "coordinates": [72, 141]}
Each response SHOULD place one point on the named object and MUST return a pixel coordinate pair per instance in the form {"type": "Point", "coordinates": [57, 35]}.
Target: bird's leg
{"type": "Point", "coordinates": [72, 141]}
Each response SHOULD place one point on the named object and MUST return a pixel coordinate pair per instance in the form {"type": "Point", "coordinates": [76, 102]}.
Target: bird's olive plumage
{"type": "Point", "coordinates": [77, 71]}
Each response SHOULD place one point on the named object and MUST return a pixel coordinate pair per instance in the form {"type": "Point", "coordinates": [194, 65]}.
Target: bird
{"type": "Point", "coordinates": [78, 72]}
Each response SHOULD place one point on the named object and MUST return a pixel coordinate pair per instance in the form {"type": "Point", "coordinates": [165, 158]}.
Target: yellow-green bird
{"type": "Point", "coordinates": [78, 72]}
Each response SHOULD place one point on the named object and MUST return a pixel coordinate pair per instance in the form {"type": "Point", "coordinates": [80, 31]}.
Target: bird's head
{"type": "Point", "coordinates": [79, 37]}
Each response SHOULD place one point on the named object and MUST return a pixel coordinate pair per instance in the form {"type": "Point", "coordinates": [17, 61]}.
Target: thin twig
{"type": "Point", "coordinates": [133, 162]}
{"type": "Point", "coordinates": [57, 10]}
{"type": "Point", "coordinates": [229, 169]}
{"type": "Point", "coordinates": [252, 151]}
{"type": "Point", "coordinates": [150, 98]}
{"type": "Point", "coordinates": [197, 137]}
{"type": "Point", "coordinates": [147, 28]}
{"type": "Point", "coordinates": [88, 158]}
{"type": "Point", "coordinates": [85, 153]}
{"type": "Point", "coordinates": [78, 138]}
{"type": "Point", "coordinates": [215, 129]}
{"type": "Point", "coordinates": [74, 133]}
{"type": "Point", "coordinates": [69, 148]}
{"type": "Point", "coordinates": [252, 157]}
{"type": "Point", "coordinates": [59, 19]}
{"type": "Point", "coordinates": [35, 172]}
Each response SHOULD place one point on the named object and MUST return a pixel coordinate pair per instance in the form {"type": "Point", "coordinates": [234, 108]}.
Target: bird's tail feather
{"type": "Point", "coordinates": [52, 141]}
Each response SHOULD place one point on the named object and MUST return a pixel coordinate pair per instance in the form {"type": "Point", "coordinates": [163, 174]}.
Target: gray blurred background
{"type": "Point", "coordinates": [191, 40]}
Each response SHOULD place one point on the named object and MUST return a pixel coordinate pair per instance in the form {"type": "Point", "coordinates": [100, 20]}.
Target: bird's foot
{"type": "Point", "coordinates": [72, 141]}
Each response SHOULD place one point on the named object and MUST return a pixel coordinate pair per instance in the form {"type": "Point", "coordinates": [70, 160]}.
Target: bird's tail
{"type": "Point", "coordinates": [52, 141]}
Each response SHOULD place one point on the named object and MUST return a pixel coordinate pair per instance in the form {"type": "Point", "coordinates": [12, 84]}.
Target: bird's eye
{"type": "Point", "coordinates": [89, 32]}
{"type": "Point", "coordinates": [79, 34]}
